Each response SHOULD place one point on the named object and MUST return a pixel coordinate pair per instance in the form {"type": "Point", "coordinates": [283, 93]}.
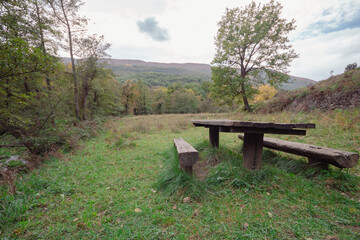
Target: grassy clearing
{"type": "Point", "coordinates": [126, 184]}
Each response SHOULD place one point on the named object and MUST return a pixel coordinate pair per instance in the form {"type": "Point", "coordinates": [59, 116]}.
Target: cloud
{"type": "Point", "coordinates": [150, 27]}
{"type": "Point", "coordinates": [323, 53]}
{"type": "Point", "coordinates": [334, 19]}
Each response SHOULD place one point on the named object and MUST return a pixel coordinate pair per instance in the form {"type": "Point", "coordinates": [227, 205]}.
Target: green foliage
{"type": "Point", "coordinates": [251, 47]}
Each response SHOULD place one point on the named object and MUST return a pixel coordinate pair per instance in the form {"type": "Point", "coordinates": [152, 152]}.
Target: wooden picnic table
{"type": "Point", "coordinates": [253, 135]}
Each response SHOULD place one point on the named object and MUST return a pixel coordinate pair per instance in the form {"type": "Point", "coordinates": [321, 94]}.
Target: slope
{"type": "Point", "coordinates": [337, 92]}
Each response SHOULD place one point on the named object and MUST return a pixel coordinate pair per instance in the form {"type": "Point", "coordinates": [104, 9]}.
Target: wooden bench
{"type": "Point", "coordinates": [188, 155]}
{"type": "Point", "coordinates": [317, 156]}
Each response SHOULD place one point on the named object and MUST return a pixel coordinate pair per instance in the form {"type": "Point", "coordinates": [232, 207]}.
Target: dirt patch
{"type": "Point", "coordinates": [201, 169]}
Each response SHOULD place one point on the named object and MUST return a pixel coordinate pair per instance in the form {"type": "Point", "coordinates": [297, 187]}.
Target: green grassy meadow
{"type": "Point", "coordinates": [126, 184]}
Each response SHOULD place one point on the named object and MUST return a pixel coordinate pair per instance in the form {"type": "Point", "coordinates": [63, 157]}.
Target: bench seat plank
{"type": "Point", "coordinates": [188, 155]}
{"type": "Point", "coordinates": [338, 158]}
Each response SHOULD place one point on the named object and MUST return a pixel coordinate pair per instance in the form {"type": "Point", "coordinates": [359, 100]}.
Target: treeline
{"type": "Point", "coordinates": [42, 100]}
{"type": "Point", "coordinates": [40, 97]}
{"type": "Point", "coordinates": [139, 98]}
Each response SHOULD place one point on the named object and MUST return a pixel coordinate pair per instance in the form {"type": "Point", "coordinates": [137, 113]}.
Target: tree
{"type": "Point", "coordinates": [266, 92]}
{"type": "Point", "coordinates": [92, 50]}
{"type": "Point", "coordinates": [251, 49]}
{"type": "Point", "coordinates": [128, 95]}
{"type": "Point", "coordinates": [66, 13]}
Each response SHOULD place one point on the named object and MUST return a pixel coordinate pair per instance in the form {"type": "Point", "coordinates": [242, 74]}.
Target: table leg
{"type": "Point", "coordinates": [214, 136]}
{"type": "Point", "coordinates": [253, 146]}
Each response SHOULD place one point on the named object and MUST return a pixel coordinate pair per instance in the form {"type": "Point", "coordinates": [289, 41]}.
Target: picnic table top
{"type": "Point", "coordinates": [249, 124]}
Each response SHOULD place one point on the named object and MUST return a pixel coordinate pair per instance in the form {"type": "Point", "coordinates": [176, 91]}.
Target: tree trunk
{"type": "Point", "coordinates": [26, 85]}
{"type": "Point", "coordinates": [85, 96]}
{"type": "Point", "coordinates": [246, 104]}
{"type": "Point", "coordinates": [245, 100]}
{"type": "Point", "coordinates": [76, 95]}
{"type": "Point", "coordinates": [42, 40]}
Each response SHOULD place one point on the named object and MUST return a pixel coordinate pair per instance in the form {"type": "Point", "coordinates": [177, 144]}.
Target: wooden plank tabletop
{"type": "Point", "coordinates": [245, 124]}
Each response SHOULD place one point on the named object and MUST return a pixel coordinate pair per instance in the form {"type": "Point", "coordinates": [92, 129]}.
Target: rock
{"type": "Point", "coordinates": [15, 161]}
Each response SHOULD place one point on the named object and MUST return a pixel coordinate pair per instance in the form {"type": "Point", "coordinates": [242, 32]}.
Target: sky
{"type": "Point", "coordinates": [327, 36]}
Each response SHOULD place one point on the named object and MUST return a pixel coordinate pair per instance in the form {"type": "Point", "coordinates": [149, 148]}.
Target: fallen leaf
{"type": "Point", "coordinates": [268, 193]}
{"type": "Point", "coordinates": [186, 200]}
{"type": "Point", "coordinates": [242, 206]}
{"type": "Point", "coordinates": [352, 210]}
{"type": "Point", "coordinates": [174, 207]}
{"type": "Point", "coordinates": [153, 190]}
{"type": "Point", "coordinates": [270, 214]}
{"type": "Point", "coordinates": [137, 210]}
{"type": "Point", "coordinates": [133, 189]}
{"type": "Point", "coordinates": [246, 225]}
{"type": "Point", "coordinates": [331, 238]}
{"type": "Point", "coordinates": [76, 219]}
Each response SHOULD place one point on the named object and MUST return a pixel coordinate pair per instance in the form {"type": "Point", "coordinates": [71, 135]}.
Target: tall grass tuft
{"type": "Point", "coordinates": [290, 165]}
{"type": "Point", "coordinates": [231, 172]}
{"type": "Point", "coordinates": [174, 180]}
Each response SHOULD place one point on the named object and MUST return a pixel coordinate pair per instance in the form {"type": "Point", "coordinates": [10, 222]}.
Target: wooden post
{"type": "Point", "coordinates": [188, 169]}
{"type": "Point", "coordinates": [214, 136]}
{"type": "Point", "coordinates": [313, 163]}
{"type": "Point", "coordinates": [253, 146]}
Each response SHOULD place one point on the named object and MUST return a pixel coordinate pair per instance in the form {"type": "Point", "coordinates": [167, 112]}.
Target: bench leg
{"type": "Point", "coordinates": [313, 163]}
{"type": "Point", "coordinates": [188, 169]}
{"type": "Point", "coordinates": [214, 136]}
{"type": "Point", "coordinates": [253, 147]}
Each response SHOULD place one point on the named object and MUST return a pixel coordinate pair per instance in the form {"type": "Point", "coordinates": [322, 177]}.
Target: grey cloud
{"type": "Point", "coordinates": [150, 27]}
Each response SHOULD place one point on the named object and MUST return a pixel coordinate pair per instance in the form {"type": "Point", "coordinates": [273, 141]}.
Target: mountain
{"type": "Point", "coordinates": [159, 74]}
{"type": "Point", "coordinates": [164, 74]}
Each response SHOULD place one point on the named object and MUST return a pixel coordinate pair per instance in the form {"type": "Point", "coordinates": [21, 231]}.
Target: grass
{"type": "Point", "coordinates": [126, 184]}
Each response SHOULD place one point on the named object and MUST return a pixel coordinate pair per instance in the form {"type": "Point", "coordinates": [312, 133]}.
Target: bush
{"type": "Point", "coordinates": [351, 66]}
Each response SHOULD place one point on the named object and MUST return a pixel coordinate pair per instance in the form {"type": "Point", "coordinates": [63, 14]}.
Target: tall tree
{"type": "Point", "coordinates": [91, 50]}
{"type": "Point", "coordinates": [251, 49]}
{"type": "Point", "coordinates": [45, 30]}
{"type": "Point", "coordinates": [66, 12]}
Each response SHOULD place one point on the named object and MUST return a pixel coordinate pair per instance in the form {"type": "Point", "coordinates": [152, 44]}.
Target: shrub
{"type": "Point", "coordinates": [351, 66]}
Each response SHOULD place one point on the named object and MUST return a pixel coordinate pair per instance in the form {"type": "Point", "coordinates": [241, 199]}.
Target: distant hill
{"type": "Point", "coordinates": [337, 92]}
{"type": "Point", "coordinates": [159, 74]}
{"type": "Point", "coordinates": [297, 82]}
{"type": "Point", "coordinates": [164, 74]}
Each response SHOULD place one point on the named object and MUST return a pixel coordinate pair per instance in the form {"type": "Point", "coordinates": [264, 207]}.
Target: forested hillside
{"type": "Point", "coordinates": [165, 74]}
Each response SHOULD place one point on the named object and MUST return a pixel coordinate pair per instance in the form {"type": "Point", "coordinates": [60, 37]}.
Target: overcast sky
{"type": "Point", "coordinates": [327, 36]}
